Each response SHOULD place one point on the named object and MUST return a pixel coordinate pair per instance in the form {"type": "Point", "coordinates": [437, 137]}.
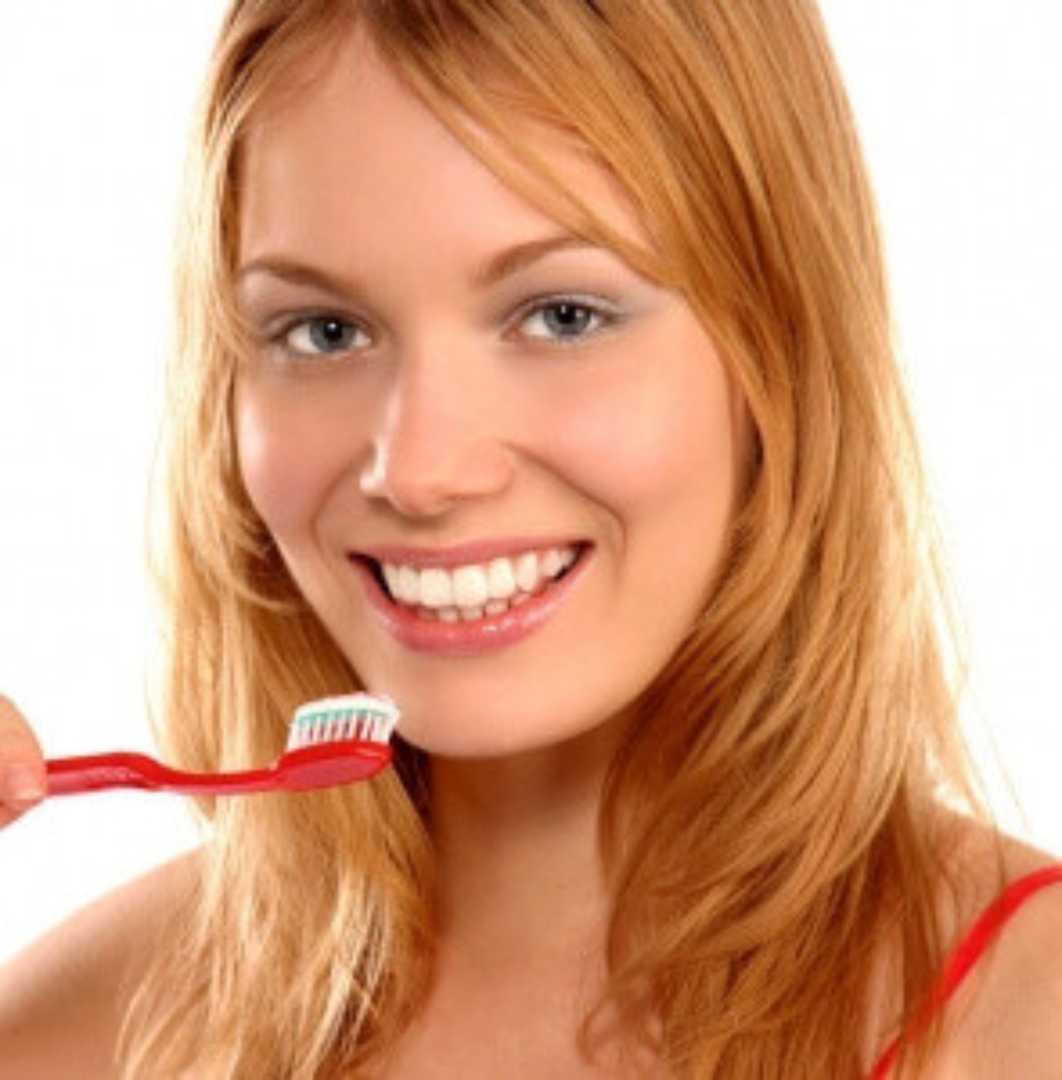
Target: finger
{"type": "Point", "coordinates": [17, 738]}
{"type": "Point", "coordinates": [23, 778]}
{"type": "Point", "coordinates": [9, 814]}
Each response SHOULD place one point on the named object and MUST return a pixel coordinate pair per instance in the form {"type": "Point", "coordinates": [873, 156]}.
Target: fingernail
{"type": "Point", "coordinates": [21, 784]}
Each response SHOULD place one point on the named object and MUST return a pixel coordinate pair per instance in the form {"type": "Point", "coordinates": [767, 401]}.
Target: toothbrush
{"type": "Point", "coordinates": [334, 740]}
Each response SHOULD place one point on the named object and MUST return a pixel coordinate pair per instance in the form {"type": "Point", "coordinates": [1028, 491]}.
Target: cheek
{"type": "Point", "coordinates": [649, 437]}
{"type": "Point", "coordinates": [285, 464]}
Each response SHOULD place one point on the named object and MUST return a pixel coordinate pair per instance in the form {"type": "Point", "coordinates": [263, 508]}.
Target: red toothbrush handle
{"type": "Point", "coordinates": [304, 769]}
{"type": "Point", "coordinates": [98, 772]}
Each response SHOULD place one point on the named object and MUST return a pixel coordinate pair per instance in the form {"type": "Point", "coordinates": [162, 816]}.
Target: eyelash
{"type": "Point", "coordinates": [608, 319]}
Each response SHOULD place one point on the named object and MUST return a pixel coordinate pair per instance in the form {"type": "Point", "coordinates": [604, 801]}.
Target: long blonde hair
{"type": "Point", "coordinates": [764, 825]}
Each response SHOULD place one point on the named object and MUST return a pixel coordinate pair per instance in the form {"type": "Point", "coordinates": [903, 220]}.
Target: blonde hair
{"type": "Point", "coordinates": [764, 827]}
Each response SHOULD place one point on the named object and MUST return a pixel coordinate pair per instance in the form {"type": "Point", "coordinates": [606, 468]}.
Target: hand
{"type": "Point", "coordinates": [23, 779]}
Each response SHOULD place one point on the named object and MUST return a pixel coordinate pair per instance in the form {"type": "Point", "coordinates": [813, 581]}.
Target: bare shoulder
{"type": "Point", "coordinates": [63, 996]}
{"type": "Point", "coordinates": [1006, 1019]}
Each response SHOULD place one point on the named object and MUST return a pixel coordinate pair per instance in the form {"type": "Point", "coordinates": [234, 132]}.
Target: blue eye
{"type": "Point", "coordinates": [319, 335]}
{"type": "Point", "coordinates": [572, 316]}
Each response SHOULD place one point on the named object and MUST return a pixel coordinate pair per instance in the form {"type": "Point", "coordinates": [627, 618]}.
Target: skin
{"type": "Point", "coordinates": [454, 414]}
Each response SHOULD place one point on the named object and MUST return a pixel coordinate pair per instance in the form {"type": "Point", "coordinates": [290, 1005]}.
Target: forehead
{"type": "Point", "coordinates": [352, 157]}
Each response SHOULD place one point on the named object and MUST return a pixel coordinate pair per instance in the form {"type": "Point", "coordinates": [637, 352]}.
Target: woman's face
{"type": "Point", "coordinates": [395, 399]}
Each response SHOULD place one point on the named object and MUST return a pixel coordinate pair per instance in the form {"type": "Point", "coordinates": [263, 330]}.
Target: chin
{"type": "Point", "coordinates": [473, 746]}
{"type": "Point", "coordinates": [492, 738]}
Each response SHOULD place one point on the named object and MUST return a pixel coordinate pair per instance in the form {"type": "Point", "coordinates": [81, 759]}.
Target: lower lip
{"type": "Point", "coordinates": [470, 638]}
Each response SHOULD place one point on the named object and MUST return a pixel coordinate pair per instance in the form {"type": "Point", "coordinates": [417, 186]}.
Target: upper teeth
{"type": "Point", "coordinates": [475, 584]}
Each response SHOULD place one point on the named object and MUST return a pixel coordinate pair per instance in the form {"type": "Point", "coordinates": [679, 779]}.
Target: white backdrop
{"type": "Point", "coordinates": [958, 101]}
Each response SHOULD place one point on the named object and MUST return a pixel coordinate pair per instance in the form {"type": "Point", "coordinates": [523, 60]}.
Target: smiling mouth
{"type": "Point", "coordinates": [515, 600]}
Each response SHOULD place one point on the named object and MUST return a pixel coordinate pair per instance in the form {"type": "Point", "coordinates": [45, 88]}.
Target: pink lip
{"type": "Point", "coordinates": [463, 554]}
{"type": "Point", "coordinates": [472, 638]}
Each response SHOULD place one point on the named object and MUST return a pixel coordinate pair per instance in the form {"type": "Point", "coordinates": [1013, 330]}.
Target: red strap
{"type": "Point", "coordinates": [965, 955]}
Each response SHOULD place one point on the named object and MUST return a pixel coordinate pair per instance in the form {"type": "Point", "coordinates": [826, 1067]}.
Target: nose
{"type": "Point", "coordinates": [439, 441]}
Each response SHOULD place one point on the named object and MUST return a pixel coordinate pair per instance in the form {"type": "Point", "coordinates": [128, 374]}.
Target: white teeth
{"type": "Point", "coordinates": [436, 588]}
{"type": "Point", "coordinates": [408, 584]}
{"type": "Point", "coordinates": [501, 579]}
{"type": "Point", "coordinates": [552, 563]}
{"type": "Point", "coordinates": [527, 571]}
{"type": "Point", "coordinates": [472, 587]}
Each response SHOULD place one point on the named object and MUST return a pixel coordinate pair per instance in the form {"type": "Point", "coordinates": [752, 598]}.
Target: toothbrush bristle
{"type": "Point", "coordinates": [365, 717]}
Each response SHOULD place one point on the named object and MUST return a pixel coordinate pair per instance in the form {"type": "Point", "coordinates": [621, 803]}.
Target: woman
{"type": "Point", "coordinates": [463, 283]}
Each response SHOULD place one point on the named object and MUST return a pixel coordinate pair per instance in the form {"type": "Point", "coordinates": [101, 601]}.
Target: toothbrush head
{"type": "Point", "coordinates": [363, 717]}
{"type": "Point", "coordinates": [338, 740]}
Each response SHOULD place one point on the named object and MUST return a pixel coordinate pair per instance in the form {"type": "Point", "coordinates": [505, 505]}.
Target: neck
{"type": "Point", "coordinates": [519, 867]}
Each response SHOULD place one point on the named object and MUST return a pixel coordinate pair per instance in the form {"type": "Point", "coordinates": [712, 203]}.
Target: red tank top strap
{"type": "Point", "coordinates": [967, 952]}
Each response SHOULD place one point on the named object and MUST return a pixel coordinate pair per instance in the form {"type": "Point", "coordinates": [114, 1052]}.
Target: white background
{"type": "Point", "coordinates": [958, 101]}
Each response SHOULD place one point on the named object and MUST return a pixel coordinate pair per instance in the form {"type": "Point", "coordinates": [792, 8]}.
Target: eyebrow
{"type": "Point", "coordinates": [499, 266]}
